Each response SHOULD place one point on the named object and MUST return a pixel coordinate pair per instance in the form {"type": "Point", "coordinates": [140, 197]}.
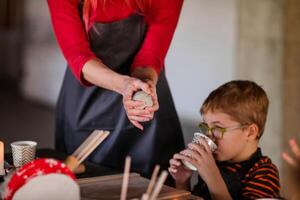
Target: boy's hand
{"type": "Point", "coordinates": [179, 173]}
{"type": "Point", "coordinates": [202, 158]}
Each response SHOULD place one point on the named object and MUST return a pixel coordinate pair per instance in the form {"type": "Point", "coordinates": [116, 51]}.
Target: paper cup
{"type": "Point", "coordinates": [210, 142]}
{"type": "Point", "coordinates": [196, 140]}
{"type": "Point", "coordinates": [23, 152]}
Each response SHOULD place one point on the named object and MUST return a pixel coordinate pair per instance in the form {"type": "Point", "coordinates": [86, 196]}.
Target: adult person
{"type": "Point", "coordinates": [114, 48]}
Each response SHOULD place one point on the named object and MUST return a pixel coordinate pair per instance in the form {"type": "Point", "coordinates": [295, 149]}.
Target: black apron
{"type": "Point", "coordinates": [81, 109]}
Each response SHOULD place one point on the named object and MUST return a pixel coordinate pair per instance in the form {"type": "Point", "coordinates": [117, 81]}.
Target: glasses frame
{"type": "Point", "coordinates": [223, 130]}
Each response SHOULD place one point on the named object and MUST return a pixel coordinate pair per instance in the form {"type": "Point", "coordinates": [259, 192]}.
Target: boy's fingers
{"type": "Point", "coordinates": [175, 162]}
{"type": "Point", "coordinates": [295, 148]}
{"type": "Point", "coordinates": [179, 156]}
{"type": "Point", "coordinates": [289, 159]}
{"type": "Point", "coordinates": [198, 148]}
{"type": "Point", "coordinates": [194, 155]}
{"type": "Point", "coordinates": [205, 145]}
{"type": "Point", "coordinates": [172, 170]}
{"type": "Point", "coordinates": [192, 161]}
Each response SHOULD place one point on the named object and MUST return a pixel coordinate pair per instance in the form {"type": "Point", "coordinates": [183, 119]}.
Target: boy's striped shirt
{"type": "Point", "coordinates": [261, 181]}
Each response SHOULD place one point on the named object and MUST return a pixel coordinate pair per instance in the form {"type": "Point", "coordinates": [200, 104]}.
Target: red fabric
{"type": "Point", "coordinates": [71, 37]}
{"type": "Point", "coordinates": [33, 169]}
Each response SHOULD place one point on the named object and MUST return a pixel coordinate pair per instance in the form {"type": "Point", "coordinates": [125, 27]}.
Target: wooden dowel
{"type": "Point", "coordinates": [145, 197]}
{"type": "Point", "coordinates": [87, 146]}
{"type": "Point", "coordinates": [125, 178]}
{"type": "Point", "coordinates": [72, 163]}
{"type": "Point", "coordinates": [159, 185]}
{"type": "Point", "coordinates": [80, 169]}
{"type": "Point", "coordinates": [153, 180]}
{"type": "Point", "coordinates": [90, 148]}
{"type": "Point", "coordinates": [87, 141]}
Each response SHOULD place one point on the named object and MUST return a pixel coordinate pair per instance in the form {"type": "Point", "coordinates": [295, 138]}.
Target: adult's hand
{"type": "Point", "coordinates": [153, 95]}
{"type": "Point", "coordinates": [134, 110]}
{"type": "Point", "coordinates": [145, 78]}
{"type": "Point", "coordinates": [293, 159]}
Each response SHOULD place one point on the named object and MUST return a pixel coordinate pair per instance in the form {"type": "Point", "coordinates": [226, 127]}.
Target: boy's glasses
{"type": "Point", "coordinates": [216, 131]}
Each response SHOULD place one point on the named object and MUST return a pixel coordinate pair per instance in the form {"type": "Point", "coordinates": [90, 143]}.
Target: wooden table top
{"type": "Point", "coordinates": [109, 188]}
{"type": "Point", "coordinates": [102, 183]}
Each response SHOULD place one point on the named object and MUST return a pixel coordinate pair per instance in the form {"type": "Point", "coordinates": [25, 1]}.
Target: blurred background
{"type": "Point", "coordinates": [215, 42]}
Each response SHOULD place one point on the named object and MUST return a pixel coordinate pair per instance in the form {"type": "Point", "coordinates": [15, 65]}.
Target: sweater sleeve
{"type": "Point", "coordinates": [70, 35]}
{"type": "Point", "coordinates": [160, 30]}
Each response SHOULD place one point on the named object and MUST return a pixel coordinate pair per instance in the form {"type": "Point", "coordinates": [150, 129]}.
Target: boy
{"type": "Point", "coordinates": [234, 116]}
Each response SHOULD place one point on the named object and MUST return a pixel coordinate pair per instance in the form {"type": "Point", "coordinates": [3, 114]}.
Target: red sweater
{"type": "Point", "coordinates": [73, 42]}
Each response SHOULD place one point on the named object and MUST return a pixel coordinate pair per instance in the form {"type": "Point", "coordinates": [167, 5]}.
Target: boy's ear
{"type": "Point", "coordinates": [253, 132]}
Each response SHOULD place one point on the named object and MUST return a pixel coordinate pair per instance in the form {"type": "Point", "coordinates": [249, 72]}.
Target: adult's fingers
{"type": "Point", "coordinates": [133, 104]}
{"type": "Point", "coordinates": [295, 148]}
{"type": "Point", "coordinates": [138, 112]}
{"type": "Point", "coordinates": [289, 159]}
{"type": "Point", "coordinates": [154, 107]}
{"type": "Point", "coordinates": [138, 84]}
{"type": "Point", "coordinates": [153, 95]}
{"type": "Point", "coordinates": [138, 118]}
{"type": "Point", "coordinates": [137, 124]}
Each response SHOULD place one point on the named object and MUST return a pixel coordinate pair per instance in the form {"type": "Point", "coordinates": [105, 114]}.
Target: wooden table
{"type": "Point", "coordinates": [109, 188]}
{"type": "Point", "coordinates": [102, 183]}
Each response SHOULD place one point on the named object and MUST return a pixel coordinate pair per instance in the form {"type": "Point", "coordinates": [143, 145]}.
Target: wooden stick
{"type": "Point", "coordinates": [72, 163]}
{"type": "Point", "coordinates": [88, 145]}
{"type": "Point", "coordinates": [80, 169]}
{"type": "Point", "coordinates": [145, 196]}
{"type": "Point", "coordinates": [86, 142]}
{"type": "Point", "coordinates": [153, 180]}
{"type": "Point", "coordinates": [125, 178]}
{"type": "Point", "coordinates": [159, 185]}
{"type": "Point", "coordinates": [90, 148]}
{"type": "Point", "coordinates": [85, 149]}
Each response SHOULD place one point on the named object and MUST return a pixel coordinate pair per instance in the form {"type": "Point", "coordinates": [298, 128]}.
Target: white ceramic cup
{"type": "Point", "coordinates": [210, 142]}
{"type": "Point", "coordinates": [23, 152]}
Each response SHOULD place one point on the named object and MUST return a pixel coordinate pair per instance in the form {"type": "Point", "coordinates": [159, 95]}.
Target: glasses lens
{"type": "Point", "coordinates": [217, 132]}
{"type": "Point", "coordinates": [203, 128]}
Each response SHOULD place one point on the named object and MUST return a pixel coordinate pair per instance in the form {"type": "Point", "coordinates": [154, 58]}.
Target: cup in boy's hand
{"type": "Point", "coordinates": [196, 140]}
{"type": "Point", "coordinates": [143, 96]}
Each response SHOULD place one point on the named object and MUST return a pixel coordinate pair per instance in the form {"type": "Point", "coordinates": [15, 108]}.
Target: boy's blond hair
{"type": "Point", "coordinates": [243, 100]}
